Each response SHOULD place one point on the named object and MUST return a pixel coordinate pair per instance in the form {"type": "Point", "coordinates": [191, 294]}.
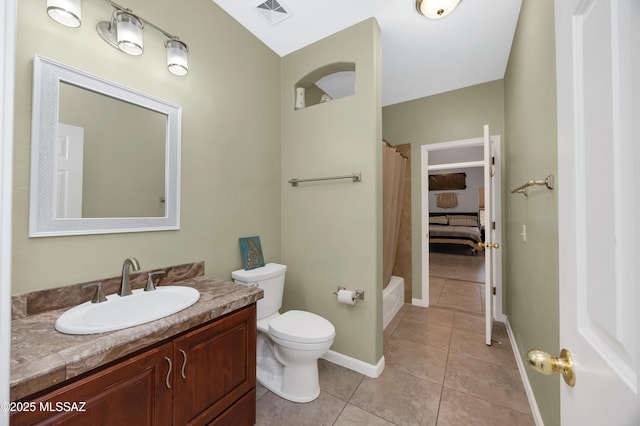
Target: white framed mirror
{"type": "Point", "coordinates": [104, 158]}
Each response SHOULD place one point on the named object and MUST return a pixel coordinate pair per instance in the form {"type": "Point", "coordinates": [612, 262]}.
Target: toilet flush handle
{"type": "Point", "coordinates": [254, 284]}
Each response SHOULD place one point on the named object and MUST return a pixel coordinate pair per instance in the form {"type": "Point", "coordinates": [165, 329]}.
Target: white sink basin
{"type": "Point", "coordinates": [122, 312]}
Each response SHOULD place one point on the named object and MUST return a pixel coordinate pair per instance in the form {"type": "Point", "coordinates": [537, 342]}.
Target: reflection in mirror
{"type": "Point", "coordinates": [104, 158]}
{"type": "Point", "coordinates": [123, 137]}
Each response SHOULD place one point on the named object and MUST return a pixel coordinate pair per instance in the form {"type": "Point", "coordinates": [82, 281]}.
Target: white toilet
{"type": "Point", "coordinates": [289, 344]}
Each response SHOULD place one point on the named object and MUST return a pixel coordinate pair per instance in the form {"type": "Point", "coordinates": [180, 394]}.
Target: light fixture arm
{"type": "Point", "coordinates": [146, 22]}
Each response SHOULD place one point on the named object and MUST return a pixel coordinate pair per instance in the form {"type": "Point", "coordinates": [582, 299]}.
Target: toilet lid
{"type": "Point", "coordinates": [302, 327]}
{"type": "Point", "coordinates": [265, 272]}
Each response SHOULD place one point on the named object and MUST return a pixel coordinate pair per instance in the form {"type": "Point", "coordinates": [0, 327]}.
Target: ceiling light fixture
{"type": "Point", "coordinates": [65, 12]}
{"type": "Point", "coordinates": [124, 31]}
{"type": "Point", "coordinates": [436, 9]}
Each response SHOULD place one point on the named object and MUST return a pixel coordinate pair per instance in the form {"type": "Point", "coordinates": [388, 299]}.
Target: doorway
{"type": "Point", "coordinates": [461, 268]}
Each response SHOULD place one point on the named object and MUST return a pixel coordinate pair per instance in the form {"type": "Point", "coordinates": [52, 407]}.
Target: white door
{"type": "Point", "coordinates": [69, 167]}
{"type": "Point", "coordinates": [489, 243]}
{"type": "Point", "coordinates": [598, 84]}
{"type": "Point", "coordinates": [493, 277]}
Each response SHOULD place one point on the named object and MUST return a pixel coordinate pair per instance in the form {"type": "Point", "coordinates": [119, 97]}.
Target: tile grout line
{"type": "Point", "coordinates": [446, 366]}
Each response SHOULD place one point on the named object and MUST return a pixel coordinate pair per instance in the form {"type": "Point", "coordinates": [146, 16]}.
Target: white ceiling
{"type": "Point", "coordinates": [420, 57]}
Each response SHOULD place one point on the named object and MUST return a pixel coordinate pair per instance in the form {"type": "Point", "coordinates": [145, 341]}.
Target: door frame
{"type": "Point", "coordinates": [424, 213]}
{"type": "Point", "coordinates": [8, 18]}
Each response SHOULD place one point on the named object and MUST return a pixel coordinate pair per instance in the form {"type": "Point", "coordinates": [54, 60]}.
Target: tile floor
{"type": "Point", "coordinates": [456, 281]}
{"type": "Point", "coordinates": [438, 369]}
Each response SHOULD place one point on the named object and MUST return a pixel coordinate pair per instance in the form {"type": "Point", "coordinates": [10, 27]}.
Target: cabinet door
{"type": "Point", "coordinates": [214, 366]}
{"type": "Point", "coordinates": [132, 392]}
{"type": "Point", "coordinates": [242, 412]}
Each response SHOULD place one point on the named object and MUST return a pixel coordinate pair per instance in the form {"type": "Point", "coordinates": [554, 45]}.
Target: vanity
{"type": "Point", "coordinates": [193, 367]}
{"type": "Point", "coordinates": [196, 366]}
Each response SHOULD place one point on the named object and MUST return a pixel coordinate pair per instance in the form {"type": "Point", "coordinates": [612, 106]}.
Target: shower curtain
{"type": "Point", "coordinates": [393, 176]}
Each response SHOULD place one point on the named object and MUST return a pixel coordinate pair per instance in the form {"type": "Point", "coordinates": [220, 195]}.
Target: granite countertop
{"type": "Point", "coordinates": [42, 357]}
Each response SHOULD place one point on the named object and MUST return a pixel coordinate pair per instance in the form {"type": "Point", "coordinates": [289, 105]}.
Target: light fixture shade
{"type": "Point", "coordinates": [177, 51]}
{"type": "Point", "coordinates": [129, 33]}
{"type": "Point", "coordinates": [436, 9]}
{"type": "Point", "coordinates": [65, 12]}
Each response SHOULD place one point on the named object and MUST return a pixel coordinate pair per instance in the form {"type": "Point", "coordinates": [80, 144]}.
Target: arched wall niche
{"type": "Point", "coordinates": [333, 81]}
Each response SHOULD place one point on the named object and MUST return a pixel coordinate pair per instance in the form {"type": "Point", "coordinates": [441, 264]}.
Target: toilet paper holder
{"type": "Point", "coordinates": [357, 294]}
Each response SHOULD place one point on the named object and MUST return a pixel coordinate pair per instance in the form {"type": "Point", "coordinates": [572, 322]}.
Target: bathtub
{"type": "Point", "coordinates": [392, 300]}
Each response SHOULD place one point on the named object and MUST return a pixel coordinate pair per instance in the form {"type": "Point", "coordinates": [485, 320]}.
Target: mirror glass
{"type": "Point", "coordinates": [123, 137]}
{"type": "Point", "coordinates": [105, 158]}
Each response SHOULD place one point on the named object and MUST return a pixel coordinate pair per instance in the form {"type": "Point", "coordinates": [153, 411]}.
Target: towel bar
{"type": "Point", "coordinates": [356, 177]}
{"type": "Point", "coordinates": [548, 182]}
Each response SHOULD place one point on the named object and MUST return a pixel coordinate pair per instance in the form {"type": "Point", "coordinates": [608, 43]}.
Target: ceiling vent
{"type": "Point", "coordinates": [273, 11]}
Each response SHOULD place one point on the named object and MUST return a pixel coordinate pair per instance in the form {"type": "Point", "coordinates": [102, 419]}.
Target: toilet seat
{"type": "Point", "coordinates": [301, 327]}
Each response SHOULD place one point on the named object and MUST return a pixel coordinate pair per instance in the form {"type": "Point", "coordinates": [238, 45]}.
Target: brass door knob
{"type": "Point", "coordinates": [546, 364]}
{"type": "Point", "coordinates": [489, 245]}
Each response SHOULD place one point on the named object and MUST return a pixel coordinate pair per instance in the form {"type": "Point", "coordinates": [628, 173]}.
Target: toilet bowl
{"type": "Point", "coordinates": [288, 345]}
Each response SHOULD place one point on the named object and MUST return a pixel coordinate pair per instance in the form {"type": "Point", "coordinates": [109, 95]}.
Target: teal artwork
{"type": "Point", "coordinates": [251, 253]}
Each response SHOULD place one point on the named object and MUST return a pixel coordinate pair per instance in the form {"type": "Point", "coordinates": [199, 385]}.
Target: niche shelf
{"type": "Point", "coordinates": [333, 81]}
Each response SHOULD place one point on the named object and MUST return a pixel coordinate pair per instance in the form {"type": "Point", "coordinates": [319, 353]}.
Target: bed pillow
{"type": "Point", "coordinates": [439, 220]}
{"type": "Point", "coordinates": [463, 220]}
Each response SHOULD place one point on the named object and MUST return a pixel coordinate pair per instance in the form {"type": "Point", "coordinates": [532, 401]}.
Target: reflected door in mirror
{"type": "Point", "coordinates": [69, 154]}
{"type": "Point", "coordinates": [124, 154]}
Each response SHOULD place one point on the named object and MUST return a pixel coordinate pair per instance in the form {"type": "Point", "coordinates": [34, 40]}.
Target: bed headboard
{"type": "Point", "coordinates": [442, 218]}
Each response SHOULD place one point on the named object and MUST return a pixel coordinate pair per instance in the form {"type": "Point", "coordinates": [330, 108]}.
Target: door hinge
{"type": "Point", "coordinates": [494, 291]}
{"type": "Point", "coordinates": [493, 226]}
{"type": "Point", "coordinates": [493, 161]}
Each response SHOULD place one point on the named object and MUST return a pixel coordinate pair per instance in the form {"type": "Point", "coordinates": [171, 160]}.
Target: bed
{"type": "Point", "coordinates": [460, 229]}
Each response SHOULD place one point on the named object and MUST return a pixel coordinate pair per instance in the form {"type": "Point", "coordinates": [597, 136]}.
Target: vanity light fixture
{"type": "Point", "coordinates": [177, 56]}
{"type": "Point", "coordinates": [65, 12]}
{"type": "Point", "coordinates": [124, 31]}
{"type": "Point", "coordinates": [128, 32]}
{"type": "Point", "coordinates": [436, 9]}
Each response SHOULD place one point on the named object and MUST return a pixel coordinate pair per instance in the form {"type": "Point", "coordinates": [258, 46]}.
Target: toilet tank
{"type": "Point", "coordinates": [270, 278]}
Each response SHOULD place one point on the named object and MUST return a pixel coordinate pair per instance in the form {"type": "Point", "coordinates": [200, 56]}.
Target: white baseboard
{"type": "Point", "coordinates": [354, 364]}
{"type": "Point", "coordinates": [419, 302]}
{"type": "Point", "coordinates": [535, 411]}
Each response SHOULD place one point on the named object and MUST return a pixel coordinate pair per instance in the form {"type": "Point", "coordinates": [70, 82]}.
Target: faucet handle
{"type": "Point", "coordinates": [99, 296]}
{"type": "Point", "coordinates": [150, 285]}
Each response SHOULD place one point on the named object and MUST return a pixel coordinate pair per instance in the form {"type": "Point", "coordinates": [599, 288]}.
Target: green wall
{"type": "Point", "coordinates": [332, 230]}
{"type": "Point", "coordinates": [531, 153]}
{"type": "Point", "coordinates": [230, 140]}
{"type": "Point", "coordinates": [451, 116]}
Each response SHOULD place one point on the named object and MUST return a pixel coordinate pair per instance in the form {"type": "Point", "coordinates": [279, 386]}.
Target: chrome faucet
{"type": "Point", "coordinates": [125, 287]}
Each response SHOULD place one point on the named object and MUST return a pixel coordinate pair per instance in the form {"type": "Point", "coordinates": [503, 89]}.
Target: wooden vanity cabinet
{"type": "Point", "coordinates": [215, 367]}
{"type": "Point", "coordinates": [131, 392]}
{"type": "Point", "coordinates": [211, 382]}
